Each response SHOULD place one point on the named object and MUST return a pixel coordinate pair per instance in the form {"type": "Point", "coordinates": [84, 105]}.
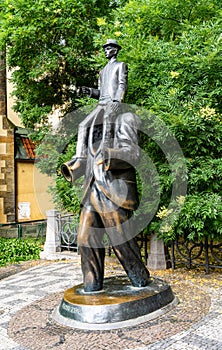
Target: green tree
{"type": "Point", "coordinates": [49, 47]}
{"type": "Point", "coordinates": [173, 50]}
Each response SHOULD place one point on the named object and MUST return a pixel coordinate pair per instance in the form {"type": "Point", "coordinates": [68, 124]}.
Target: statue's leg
{"type": "Point", "coordinates": [91, 249]}
{"type": "Point", "coordinates": [128, 252]}
{"type": "Point", "coordinates": [83, 133]}
{"type": "Point", "coordinates": [129, 256]}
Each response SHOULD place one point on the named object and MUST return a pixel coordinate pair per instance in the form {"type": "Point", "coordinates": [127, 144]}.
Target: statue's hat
{"type": "Point", "coordinates": [112, 42]}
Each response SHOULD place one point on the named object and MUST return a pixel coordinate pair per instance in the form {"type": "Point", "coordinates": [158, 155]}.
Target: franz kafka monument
{"type": "Point", "coordinates": [106, 153]}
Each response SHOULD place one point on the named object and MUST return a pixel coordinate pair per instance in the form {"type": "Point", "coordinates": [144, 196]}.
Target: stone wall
{"type": "Point", "coordinates": [7, 173]}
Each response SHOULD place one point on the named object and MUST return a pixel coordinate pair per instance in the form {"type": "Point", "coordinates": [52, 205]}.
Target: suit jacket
{"type": "Point", "coordinates": [112, 83]}
{"type": "Point", "coordinates": [112, 169]}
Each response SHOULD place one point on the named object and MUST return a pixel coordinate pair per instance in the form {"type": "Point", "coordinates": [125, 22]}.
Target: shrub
{"type": "Point", "coordinates": [15, 250]}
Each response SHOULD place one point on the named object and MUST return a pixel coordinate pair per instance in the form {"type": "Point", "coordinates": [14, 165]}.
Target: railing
{"type": "Point", "coordinates": [23, 229]}
{"type": "Point", "coordinates": [67, 229]}
{"type": "Point", "coordinates": [206, 253]}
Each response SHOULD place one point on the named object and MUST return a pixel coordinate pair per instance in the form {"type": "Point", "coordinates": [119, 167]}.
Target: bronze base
{"type": "Point", "coordinates": [117, 305]}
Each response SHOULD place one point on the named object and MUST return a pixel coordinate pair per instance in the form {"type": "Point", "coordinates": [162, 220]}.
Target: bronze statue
{"type": "Point", "coordinates": [107, 150]}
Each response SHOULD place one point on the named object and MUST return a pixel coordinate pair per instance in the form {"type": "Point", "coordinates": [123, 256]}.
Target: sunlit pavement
{"type": "Point", "coordinates": [28, 286]}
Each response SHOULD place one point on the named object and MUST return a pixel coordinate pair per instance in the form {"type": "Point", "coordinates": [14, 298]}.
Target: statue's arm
{"type": "Point", "coordinates": [91, 92]}
{"type": "Point", "coordinates": [73, 169]}
{"type": "Point", "coordinates": [122, 82]}
{"type": "Point", "coordinates": [94, 93]}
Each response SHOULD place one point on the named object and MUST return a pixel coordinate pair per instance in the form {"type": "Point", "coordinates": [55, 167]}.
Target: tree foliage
{"type": "Point", "coordinates": [49, 47]}
{"type": "Point", "coordinates": [173, 50]}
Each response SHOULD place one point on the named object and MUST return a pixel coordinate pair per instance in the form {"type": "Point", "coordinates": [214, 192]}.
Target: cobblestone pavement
{"type": "Point", "coordinates": [29, 287]}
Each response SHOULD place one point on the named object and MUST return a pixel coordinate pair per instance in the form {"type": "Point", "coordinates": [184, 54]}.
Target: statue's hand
{"type": "Point", "coordinates": [102, 158]}
{"type": "Point", "coordinates": [99, 161]}
{"type": "Point", "coordinates": [85, 90]}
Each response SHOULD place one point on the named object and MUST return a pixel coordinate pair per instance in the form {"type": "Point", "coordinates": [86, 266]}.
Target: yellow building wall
{"type": "Point", "coordinates": [11, 114]}
{"type": "Point", "coordinates": [31, 185]}
{"type": "Point", "coordinates": [32, 199]}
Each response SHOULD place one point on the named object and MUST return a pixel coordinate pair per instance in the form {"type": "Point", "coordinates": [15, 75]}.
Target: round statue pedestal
{"type": "Point", "coordinates": [118, 305]}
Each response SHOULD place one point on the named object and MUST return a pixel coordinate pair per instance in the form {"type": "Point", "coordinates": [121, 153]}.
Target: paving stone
{"type": "Point", "coordinates": [35, 285]}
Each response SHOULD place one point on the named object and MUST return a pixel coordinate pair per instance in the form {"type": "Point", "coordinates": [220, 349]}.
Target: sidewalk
{"type": "Point", "coordinates": [28, 298]}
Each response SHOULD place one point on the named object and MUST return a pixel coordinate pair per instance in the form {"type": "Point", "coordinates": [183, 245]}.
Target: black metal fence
{"type": "Point", "coordinates": [181, 252]}
{"type": "Point", "coordinates": [24, 229]}
{"type": "Point", "coordinates": [67, 229]}
{"type": "Point", "coordinates": [207, 254]}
